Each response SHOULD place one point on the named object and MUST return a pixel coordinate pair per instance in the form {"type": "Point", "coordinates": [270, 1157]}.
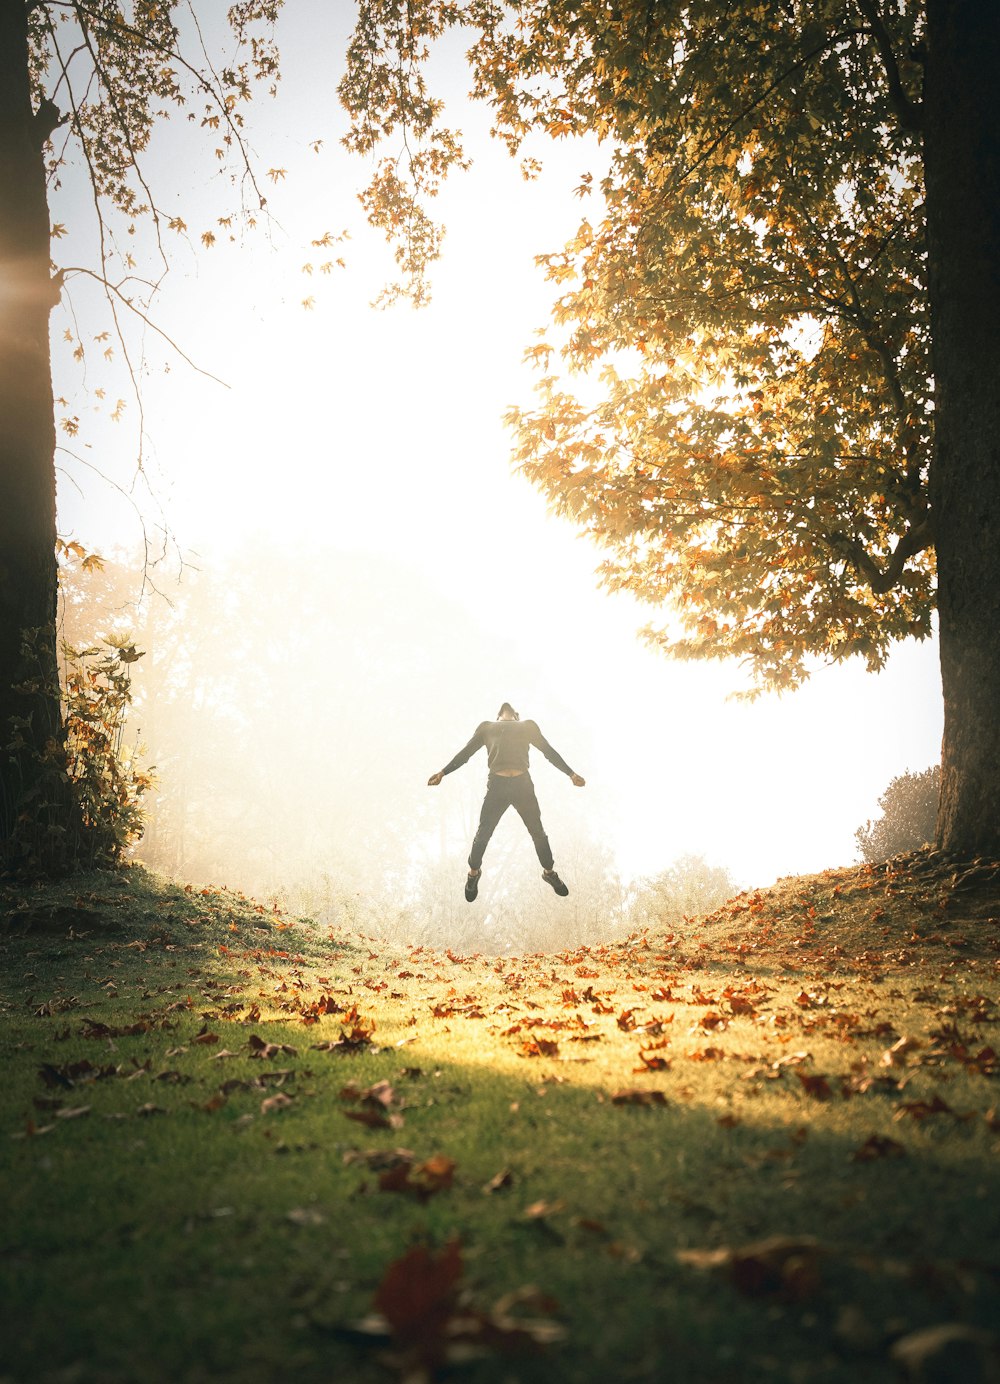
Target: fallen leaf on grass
{"type": "Point", "coordinates": [56, 1006]}
{"type": "Point", "coordinates": [430, 1323]}
{"type": "Point", "coordinates": [860, 1084]}
{"type": "Point", "coordinates": [92, 1028]}
{"type": "Point", "coordinates": [923, 1109]}
{"type": "Point", "coordinates": [419, 1180]}
{"type": "Point", "coordinates": [897, 1054]}
{"type": "Point", "coordinates": [591, 1226]}
{"type": "Point", "coordinates": [376, 1102]}
{"type": "Point", "coordinates": [878, 1146]}
{"type": "Point", "coordinates": [271, 1104]}
{"type": "Point", "coordinates": [265, 1051]}
{"type": "Point", "coordinates": [150, 1109]}
{"type": "Point", "coordinates": [815, 1085]}
{"type": "Point", "coordinates": [381, 1093]}
{"type": "Point", "coordinates": [948, 1351]}
{"type": "Point", "coordinates": [75, 1073]}
{"type": "Point", "coordinates": [374, 1119]}
{"type": "Point", "coordinates": [31, 1130]}
{"type": "Point", "coordinates": [210, 1106]}
{"type": "Point", "coordinates": [377, 1159]}
{"type": "Point", "coordinates": [73, 1112]}
{"type": "Point", "coordinates": [781, 1266]}
{"type": "Point", "coordinates": [652, 1063]}
{"type": "Point", "coordinates": [636, 1097]}
{"type": "Point", "coordinates": [541, 1210]}
{"type": "Point", "coordinates": [706, 1055]}
{"type": "Point", "coordinates": [712, 1020]}
{"type": "Point", "coordinates": [499, 1182]}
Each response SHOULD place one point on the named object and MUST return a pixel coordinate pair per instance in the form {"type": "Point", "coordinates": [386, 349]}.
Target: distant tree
{"type": "Point", "coordinates": [909, 810]}
{"type": "Point", "coordinates": [688, 888]}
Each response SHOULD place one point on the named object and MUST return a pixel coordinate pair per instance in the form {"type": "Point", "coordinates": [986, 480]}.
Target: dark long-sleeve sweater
{"type": "Point", "coordinates": [507, 745]}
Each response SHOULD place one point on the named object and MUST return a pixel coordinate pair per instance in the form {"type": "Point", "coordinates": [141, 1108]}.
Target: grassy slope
{"type": "Point", "coordinates": [162, 1223]}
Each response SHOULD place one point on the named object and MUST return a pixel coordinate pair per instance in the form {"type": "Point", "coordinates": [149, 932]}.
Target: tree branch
{"type": "Point", "coordinates": [914, 540]}
{"type": "Point", "coordinates": [909, 113]}
{"type": "Point", "coordinates": [48, 118]}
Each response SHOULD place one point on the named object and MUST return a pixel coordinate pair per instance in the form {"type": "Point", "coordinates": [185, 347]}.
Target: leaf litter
{"type": "Point", "coordinates": [800, 1019]}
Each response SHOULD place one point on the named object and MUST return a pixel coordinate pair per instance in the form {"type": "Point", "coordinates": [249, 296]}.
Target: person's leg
{"type": "Point", "coordinates": [527, 806]}
{"type": "Point", "coordinates": [495, 804]}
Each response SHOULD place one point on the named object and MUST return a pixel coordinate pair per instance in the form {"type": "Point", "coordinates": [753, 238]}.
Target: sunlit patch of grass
{"type": "Point", "coordinates": [181, 1219]}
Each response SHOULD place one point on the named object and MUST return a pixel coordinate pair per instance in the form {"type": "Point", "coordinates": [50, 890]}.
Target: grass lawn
{"type": "Point", "coordinates": [239, 1148]}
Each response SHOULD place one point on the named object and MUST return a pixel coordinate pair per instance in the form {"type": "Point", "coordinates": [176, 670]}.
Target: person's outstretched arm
{"type": "Point", "coordinates": [535, 737]}
{"type": "Point", "coordinates": [464, 754]}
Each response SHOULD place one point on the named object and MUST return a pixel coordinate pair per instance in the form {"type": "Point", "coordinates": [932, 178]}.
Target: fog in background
{"type": "Point", "coordinates": [294, 704]}
{"type": "Point", "coordinates": [352, 577]}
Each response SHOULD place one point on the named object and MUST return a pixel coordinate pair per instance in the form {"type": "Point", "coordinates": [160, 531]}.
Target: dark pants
{"type": "Point", "coordinates": [517, 792]}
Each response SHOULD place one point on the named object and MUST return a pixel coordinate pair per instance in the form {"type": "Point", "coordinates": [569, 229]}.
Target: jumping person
{"type": "Point", "coordinates": [509, 785]}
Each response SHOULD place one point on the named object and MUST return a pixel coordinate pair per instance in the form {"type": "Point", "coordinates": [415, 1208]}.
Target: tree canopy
{"type": "Point", "coordinates": [734, 396]}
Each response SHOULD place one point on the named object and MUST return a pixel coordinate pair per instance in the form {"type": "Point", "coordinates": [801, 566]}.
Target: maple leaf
{"type": "Point", "coordinates": [420, 1306]}
{"type": "Point", "coordinates": [420, 1180]}
{"type": "Point", "coordinates": [417, 1296]}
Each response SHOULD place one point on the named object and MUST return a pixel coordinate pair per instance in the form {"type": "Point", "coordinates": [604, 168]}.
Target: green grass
{"type": "Point", "coordinates": [179, 1231]}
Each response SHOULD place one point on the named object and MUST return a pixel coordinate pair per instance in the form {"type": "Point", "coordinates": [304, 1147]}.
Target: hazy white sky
{"type": "Point", "coordinates": [380, 432]}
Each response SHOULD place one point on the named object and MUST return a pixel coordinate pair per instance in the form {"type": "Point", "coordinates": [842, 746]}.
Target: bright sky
{"type": "Point", "coordinates": [380, 432]}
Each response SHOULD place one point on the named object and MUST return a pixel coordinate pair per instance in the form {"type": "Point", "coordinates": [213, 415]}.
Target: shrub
{"type": "Point", "coordinates": [909, 811]}
{"type": "Point", "coordinates": [77, 803]}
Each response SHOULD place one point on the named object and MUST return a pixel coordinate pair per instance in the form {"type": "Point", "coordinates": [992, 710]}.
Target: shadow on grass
{"type": "Point", "coordinates": [167, 1219]}
{"type": "Point", "coordinates": [188, 1244]}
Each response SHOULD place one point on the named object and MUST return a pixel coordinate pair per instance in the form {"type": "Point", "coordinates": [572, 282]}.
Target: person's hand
{"type": "Point", "coordinates": [434, 780]}
{"type": "Point", "coordinates": [579, 782]}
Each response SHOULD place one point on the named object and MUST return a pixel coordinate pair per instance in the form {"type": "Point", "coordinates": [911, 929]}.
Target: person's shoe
{"type": "Point", "coordinates": [471, 887]}
{"type": "Point", "coordinates": [550, 877]}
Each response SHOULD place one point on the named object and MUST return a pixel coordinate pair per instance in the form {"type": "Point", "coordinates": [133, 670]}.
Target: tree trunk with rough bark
{"type": "Point", "coordinates": [27, 433]}
{"type": "Point", "coordinates": [962, 152]}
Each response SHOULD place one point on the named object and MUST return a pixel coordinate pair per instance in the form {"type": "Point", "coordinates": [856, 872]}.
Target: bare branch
{"type": "Point", "coordinates": [121, 296]}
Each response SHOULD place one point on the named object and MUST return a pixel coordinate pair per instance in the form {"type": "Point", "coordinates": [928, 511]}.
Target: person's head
{"type": "Point", "coordinates": [507, 713]}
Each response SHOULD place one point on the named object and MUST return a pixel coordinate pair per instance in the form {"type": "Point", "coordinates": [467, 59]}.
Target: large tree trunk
{"type": "Point", "coordinates": [27, 435]}
{"type": "Point", "coordinates": [963, 235]}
